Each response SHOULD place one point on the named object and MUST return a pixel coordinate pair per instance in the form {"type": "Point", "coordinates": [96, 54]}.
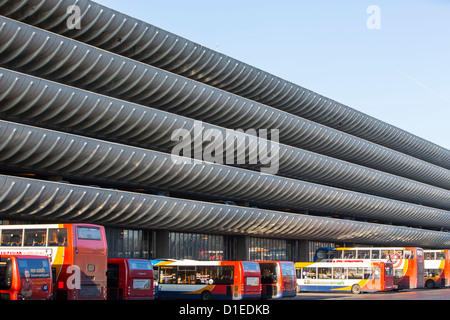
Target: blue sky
{"type": "Point", "coordinates": [398, 73]}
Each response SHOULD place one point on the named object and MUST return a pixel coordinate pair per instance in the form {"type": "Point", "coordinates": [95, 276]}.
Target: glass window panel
{"type": "Point", "coordinates": [57, 237]}
{"type": "Point", "coordinates": [12, 237]}
{"type": "Point", "coordinates": [35, 237]}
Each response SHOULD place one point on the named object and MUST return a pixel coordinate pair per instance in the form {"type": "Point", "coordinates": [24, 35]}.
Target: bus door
{"type": "Point", "coordinates": [289, 279]}
{"type": "Point", "coordinates": [420, 283]}
{"type": "Point", "coordinates": [388, 277]}
{"type": "Point", "coordinates": [379, 277]}
{"type": "Point", "coordinates": [269, 279]}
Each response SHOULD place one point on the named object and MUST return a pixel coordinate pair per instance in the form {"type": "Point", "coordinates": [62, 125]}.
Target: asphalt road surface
{"type": "Point", "coordinates": [417, 294]}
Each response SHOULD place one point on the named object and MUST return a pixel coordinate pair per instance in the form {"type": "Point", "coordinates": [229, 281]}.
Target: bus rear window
{"type": "Point", "coordinates": [251, 266]}
{"type": "Point", "coordinates": [34, 268]}
{"type": "Point", "coordinates": [140, 265]}
{"type": "Point", "coordinates": [88, 233]}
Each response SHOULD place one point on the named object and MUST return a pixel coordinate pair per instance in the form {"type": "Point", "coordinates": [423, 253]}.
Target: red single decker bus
{"type": "Point", "coordinates": [78, 255]}
{"type": "Point", "coordinates": [278, 279]}
{"type": "Point", "coordinates": [25, 278]}
{"type": "Point", "coordinates": [130, 279]}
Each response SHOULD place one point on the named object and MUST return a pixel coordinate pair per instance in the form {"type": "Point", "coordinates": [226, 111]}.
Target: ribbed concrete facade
{"type": "Point", "coordinates": [98, 106]}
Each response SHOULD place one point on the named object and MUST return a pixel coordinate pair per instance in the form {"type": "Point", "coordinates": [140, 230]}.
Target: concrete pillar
{"type": "Point", "coordinates": [302, 251]}
{"type": "Point", "coordinates": [242, 248]}
{"type": "Point", "coordinates": [161, 244]}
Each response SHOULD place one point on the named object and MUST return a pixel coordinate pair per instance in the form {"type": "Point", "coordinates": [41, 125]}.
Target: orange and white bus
{"type": "Point", "coordinates": [130, 279]}
{"type": "Point", "coordinates": [207, 280]}
{"type": "Point", "coordinates": [353, 276]}
{"type": "Point", "coordinates": [437, 268]}
{"type": "Point", "coordinates": [78, 255]}
{"type": "Point", "coordinates": [278, 279]}
{"type": "Point", "coordinates": [25, 278]}
{"type": "Point", "coordinates": [408, 263]}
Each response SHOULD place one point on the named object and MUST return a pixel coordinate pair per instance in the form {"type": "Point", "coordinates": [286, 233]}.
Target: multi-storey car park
{"type": "Point", "coordinates": [87, 117]}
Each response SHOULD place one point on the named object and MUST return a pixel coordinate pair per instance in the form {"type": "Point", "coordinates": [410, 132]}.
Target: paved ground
{"type": "Point", "coordinates": [418, 294]}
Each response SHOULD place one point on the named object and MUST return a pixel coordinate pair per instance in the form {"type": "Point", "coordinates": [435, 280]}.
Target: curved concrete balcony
{"type": "Point", "coordinates": [22, 198]}
{"type": "Point", "coordinates": [53, 152]}
{"type": "Point", "coordinates": [34, 100]}
{"type": "Point", "coordinates": [116, 32]}
{"type": "Point", "coordinates": [39, 52]}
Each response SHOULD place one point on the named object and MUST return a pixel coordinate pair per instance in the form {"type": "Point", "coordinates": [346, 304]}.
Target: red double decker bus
{"type": "Point", "coordinates": [408, 263]}
{"type": "Point", "coordinates": [78, 255]}
{"type": "Point", "coordinates": [340, 276]}
{"type": "Point", "coordinates": [25, 278]}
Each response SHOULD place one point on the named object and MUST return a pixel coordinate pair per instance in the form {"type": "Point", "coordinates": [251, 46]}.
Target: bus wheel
{"type": "Point", "coordinates": [206, 295]}
{"type": "Point", "coordinates": [356, 289]}
{"type": "Point", "coordinates": [430, 284]}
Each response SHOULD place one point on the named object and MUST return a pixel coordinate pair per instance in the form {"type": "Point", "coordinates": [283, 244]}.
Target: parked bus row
{"type": "Point", "coordinates": [69, 262]}
{"type": "Point", "coordinates": [413, 267]}
{"type": "Point", "coordinates": [74, 266]}
{"type": "Point", "coordinates": [207, 280]}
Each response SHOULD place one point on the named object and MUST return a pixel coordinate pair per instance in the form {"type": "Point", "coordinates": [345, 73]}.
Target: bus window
{"type": "Point", "coordinates": [389, 270]}
{"type": "Point", "coordinates": [324, 273]}
{"type": "Point", "coordinates": [368, 273]}
{"type": "Point", "coordinates": [409, 254]}
{"type": "Point", "coordinates": [12, 238]}
{"type": "Point", "coordinates": [398, 273]}
{"type": "Point", "coordinates": [335, 254]}
{"type": "Point", "coordinates": [441, 256]}
{"type": "Point", "coordinates": [391, 255]}
{"type": "Point", "coordinates": [89, 233]}
{"type": "Point", "coordinates": [355, 273]}
{"type": "Point", "coordinates": [375, 254]}
{"type": "Point", "coordinates": [323, 254]}
{"type": "Point", "coordinates": [268, 273]}
{"type": "Point", "coordinates": [168, 275]}
{"type": "Point", "coordinates": [225, 275]}
{"type": "Point", "coordinates": [35, 237]}
{"type": "Point", "coordinates": [363, 254]}
{"type": "Point", "coordinates": [339, 273]}
{"type": "Point", "coordinates": [429, 256]}
{"type": "Point", "coordinates": [384, 254]}
{"type": "Point", "coordinates": [186, 275]}
{"type": "Point", "coordinates": [288, 273]}
{"type": "Point", "coordinates": [349, 254]}
{"type": "Point", "coordinates": [57, 237]}
{"type": "Point", "coordinates": [34, 268]}
{"type": "Point", "coordinates": [309, 273]}
{"type": "Point", "coordinates": [140, 265]}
